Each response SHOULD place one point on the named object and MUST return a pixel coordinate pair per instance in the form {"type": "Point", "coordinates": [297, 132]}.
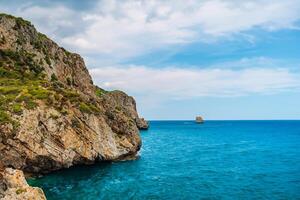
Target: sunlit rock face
{"type": "Point", "coordinates": [13, 186]}
{"type": "Point", "coordinates": [51, 114]}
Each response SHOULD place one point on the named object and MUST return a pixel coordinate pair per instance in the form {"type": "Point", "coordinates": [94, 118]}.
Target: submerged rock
{"type": "Point", "coordinates": [51, 114]}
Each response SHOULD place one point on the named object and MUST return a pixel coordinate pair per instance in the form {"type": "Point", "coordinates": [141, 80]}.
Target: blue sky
{"type": "Point", "coordinates": [219, 59]}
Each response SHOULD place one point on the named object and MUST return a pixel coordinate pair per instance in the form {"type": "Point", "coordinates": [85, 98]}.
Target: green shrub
{"type": "Point", "coordinates": [8, 74]}
{"type": "Point", "coordinates": [57, 86]}
{"type": "Point", "coordinates": [9, 82]}
{"type": "Point", "coordinates": [20, 190]}
{"type": "Point", "coordinates": [42, 37]}
{"type": "Point", "coordinates": [84, 108]}
{"type": "Point", "coordinates": [71, 95]}
{"type": "Point", "coordinates": [88, 108]}
{"type": "Point", "coordinates": [21, 22]}
{"type": "Point", "coordinates": [54, 116]}
{"type": "Point", "coordinates": [48, 61]}
{"type": "Point", "coordinates": [30, 105]}
{"type": "Point", "coordinates": [4, 117]}
{"type": "Point", "coordinates": [17, 108]}
{"type": "Point", "coordinates": [40, 93]}
{"type": "Point", "coordinates": [64, 112]}
{"type": "Point", "coordinates": [67, 52]}
{"type": "Point", "coordinates": [99, 91]}
{"type": "Point", "coordinates": [10, 90]}
{"type": "Point", "coordinates": [21, 61]}
{"type": "Point", "coordinates": [53, 78]}
{"type": "Point", "coordinates": [15, 124]}
{"type": "Point", "coordinates": [25, 96]}
{"type": "Point", "coordinates": [6, 99]}
{"type": "Point", "coordinates": [94, 108]}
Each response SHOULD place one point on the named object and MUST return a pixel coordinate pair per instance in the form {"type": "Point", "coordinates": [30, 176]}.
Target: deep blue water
{"type": "Point", "coordinates": [185, 160]}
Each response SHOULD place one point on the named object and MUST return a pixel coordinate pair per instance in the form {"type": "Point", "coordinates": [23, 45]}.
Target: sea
{"type": "Point", "coordinates": [186, 160]}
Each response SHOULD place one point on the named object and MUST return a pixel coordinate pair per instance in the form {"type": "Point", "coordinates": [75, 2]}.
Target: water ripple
{"type": "Point", "coordinates": [185, 160]}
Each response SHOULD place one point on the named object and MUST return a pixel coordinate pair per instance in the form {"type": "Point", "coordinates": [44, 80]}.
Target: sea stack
{"type": "Point", "coordinates": [199, 119]}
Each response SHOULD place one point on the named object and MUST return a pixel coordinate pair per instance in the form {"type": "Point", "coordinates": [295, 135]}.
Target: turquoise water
{"type": "Point", "coordinates": [184, 160]}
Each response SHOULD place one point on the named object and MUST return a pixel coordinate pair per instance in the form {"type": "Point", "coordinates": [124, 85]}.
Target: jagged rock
{"type": "Point", "coordinates": [118, 99]}
{"type": "Point", "coordinates": [142, 124]}
{"type": "Point", "coordinates": [13, 186]}
{"type": "Point", "coordinates": [52, 116]}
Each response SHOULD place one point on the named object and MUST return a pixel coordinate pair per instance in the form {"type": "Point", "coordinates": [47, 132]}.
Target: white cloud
{"type": "Point", "coordinates": [57, 22]}
{"type": "Point", "coordinates": [124, 29]}
{"type": "Point", "coordinates": [131, 28]}
{"type": "Point", "coordinates": [176, 83]}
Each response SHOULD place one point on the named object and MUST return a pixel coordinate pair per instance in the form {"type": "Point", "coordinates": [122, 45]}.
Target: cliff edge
{"type": "Point", "coordinates": [51, 114]}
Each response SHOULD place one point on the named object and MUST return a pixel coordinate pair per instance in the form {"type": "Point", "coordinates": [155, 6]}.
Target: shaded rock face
{"type": "Point", "coordinates": [142, 124]}
{"type": "Point", "coordinates": [13, 186]}
{"type": "Point", "coordinates": [119, 99]}
{"type": "Point", "coordinates": [52, 116]}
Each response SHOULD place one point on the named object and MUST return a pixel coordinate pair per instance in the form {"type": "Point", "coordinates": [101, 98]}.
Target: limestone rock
{"type": "Point", "coordinates": [142, 124]}
{"type": "Point", "coordinates": [51, 114]}
{"type": "Point", "coordinates": [13, 186]}
{"type": "Point", "coordinates": [119, 99]}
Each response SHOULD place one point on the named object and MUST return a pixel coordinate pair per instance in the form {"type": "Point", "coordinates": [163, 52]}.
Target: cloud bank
{"type": "Point", "coordinates": [177, 83]}
{"type": "Point", "coordinates": [113, 34]}
{"type": "Point", "coordinates": [131, 28]}
{"type": "Point", "coordinates": [125, 29]}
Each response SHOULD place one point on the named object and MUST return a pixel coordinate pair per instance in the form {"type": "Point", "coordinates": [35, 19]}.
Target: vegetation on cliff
{"type": "Point", "coordinates": [51, 114]}
{"type": "Point", "coordinates": [23, 85]}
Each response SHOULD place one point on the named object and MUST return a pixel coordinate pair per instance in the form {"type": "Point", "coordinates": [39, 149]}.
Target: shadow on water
{"type": "Point", "coordinates": [68, 182]}
{"type": "Point", "coordinates": [81, 171]}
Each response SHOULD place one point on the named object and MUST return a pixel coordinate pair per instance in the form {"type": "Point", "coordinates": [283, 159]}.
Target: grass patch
{"type": "Point", "coordinates": [84, 108]}
{"type": "Point", "coordinates": [88, 108]}
{"type": "Point", "coordinates": [17, 108]}
{"type": "Point", "coordinates": [31, 105]}
{"type": "Point", "coordinates": [23, 85]}
{"type": "Point", "coordinates": [9, 90]}
{"type": "Point", "coordinates": [4, 73]}
{"type": "Point", "coordinates": [40, 93]}
{"type": "Point", "coordinates": [100, 92]}
{"type": "Point", "coordinates": [4, 117]}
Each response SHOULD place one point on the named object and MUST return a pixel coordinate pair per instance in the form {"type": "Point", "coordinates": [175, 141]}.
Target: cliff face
{"type": "Point", "coordinates": [51, 114]}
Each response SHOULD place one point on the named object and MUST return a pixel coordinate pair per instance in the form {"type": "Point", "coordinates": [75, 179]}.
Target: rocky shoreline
{"type": "Point", "coordinates": [51, 114]}
{"type": "Point", "coordinates": [13, 186]}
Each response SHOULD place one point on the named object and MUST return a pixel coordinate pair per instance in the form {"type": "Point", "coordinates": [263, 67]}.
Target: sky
{"type": "Point", "coordinates": [221, 59]}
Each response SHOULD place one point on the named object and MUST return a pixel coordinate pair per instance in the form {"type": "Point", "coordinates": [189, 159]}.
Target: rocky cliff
{"type": "Point", "coordinates": [13, 186]}
{"type": "Point", "coordinates": [51, 114]}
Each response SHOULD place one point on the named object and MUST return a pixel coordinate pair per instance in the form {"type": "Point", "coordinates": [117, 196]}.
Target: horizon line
{"type": "Point", "coordinates": [224, 119]}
